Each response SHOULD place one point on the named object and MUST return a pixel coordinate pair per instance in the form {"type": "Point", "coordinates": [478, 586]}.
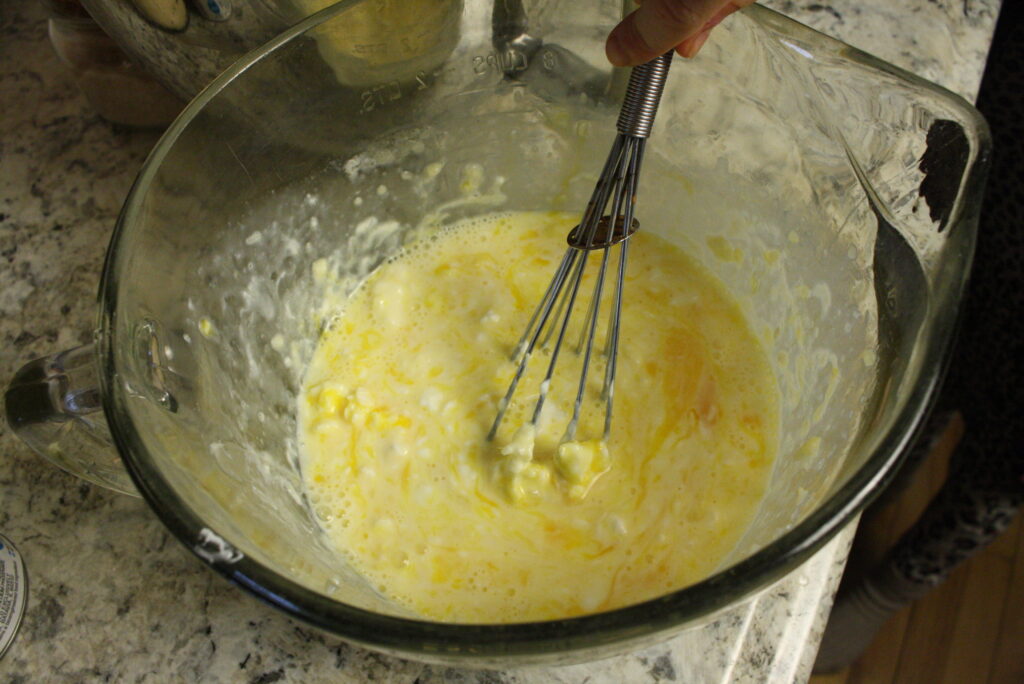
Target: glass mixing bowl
{"type": "Point", "coordinates": [834, 195]}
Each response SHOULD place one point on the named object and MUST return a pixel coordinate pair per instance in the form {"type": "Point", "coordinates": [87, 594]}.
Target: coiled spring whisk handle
{"type": "Point", "coordinates": [646, 83]}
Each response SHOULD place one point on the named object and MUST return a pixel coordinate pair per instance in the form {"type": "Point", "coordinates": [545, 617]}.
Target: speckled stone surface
{"type": "Point", "coordinates": [112, 596]}
{"type": "Point", "coordinates": [944, 41]}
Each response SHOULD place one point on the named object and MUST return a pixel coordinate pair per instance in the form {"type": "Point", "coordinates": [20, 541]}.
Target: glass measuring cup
{"type": "Point", "coordinates": [813, 149]}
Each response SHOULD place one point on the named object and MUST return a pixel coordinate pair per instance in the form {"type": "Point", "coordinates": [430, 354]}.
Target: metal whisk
{"type": "Point", "coordinates": [616, 190]}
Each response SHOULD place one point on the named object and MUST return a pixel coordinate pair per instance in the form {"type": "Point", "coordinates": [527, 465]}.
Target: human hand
{"type": "Point", "coordinates": [661, 25]}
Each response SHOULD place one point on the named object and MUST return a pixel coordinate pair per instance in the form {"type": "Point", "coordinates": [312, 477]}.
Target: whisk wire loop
{"type": "Point", "coordinates": [616, 190]}
{"type": "Point", "coordinates": [614, 326]}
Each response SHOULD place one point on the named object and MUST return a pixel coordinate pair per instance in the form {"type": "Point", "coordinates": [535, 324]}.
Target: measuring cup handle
{"type": "Point", "coordinates": [53, 404]}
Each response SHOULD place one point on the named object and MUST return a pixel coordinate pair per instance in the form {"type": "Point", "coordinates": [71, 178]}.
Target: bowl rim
{"type": "Point", "coordinates": [465, 642]}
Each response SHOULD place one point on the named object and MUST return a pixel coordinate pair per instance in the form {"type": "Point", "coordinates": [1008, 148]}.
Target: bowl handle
{"type": "Point", "coordinates": [53, 404]}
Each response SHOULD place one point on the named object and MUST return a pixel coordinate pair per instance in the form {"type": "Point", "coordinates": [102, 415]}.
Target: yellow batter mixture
{"type": "Point", "coordinates": [405, 383]}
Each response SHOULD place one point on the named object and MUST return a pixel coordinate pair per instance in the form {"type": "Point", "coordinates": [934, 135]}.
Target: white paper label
{"type": "Point", "coordinates": [13, 592]}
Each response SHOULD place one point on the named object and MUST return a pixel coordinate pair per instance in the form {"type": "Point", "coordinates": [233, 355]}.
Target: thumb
{"type": "Point", "coordinates": [657, 27]}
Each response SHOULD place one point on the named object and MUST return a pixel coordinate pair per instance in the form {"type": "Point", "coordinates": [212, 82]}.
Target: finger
{"type": "Point", "coordinates": [658, 26]}
{"type": "Point", "coordinates": [629, 43]}
{"type": "Point", "coordinates": [720, 16]}
{"type": "Point", "coordinates": [692, 45]}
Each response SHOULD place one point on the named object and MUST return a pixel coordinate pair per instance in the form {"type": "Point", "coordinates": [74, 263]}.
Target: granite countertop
{"type": "Point", "coordinates": [112, 596]}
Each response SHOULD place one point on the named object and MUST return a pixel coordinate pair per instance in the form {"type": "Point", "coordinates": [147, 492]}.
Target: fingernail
{"type": "Point", "coordinates": [614, 51]}
{"type": "Point", "coordinates": [702, 38]}
{"type": "Point", "coordinates": [692, 45]}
